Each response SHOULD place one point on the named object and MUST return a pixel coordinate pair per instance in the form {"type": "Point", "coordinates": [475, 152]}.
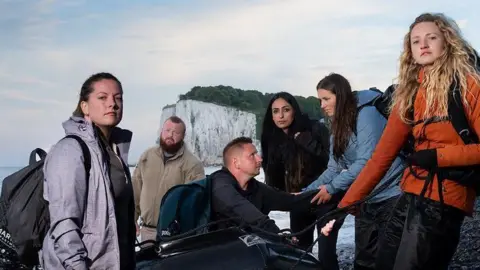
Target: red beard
{"type": "Point", "coordinates": [170, 148]}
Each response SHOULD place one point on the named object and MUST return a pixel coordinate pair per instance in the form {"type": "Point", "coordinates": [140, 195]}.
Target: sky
{"type": "Point", "coordinates": [161, 49]}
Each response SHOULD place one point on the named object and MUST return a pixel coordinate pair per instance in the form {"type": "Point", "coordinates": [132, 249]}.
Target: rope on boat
{"type": "Point", "coordinates": [339, 213]}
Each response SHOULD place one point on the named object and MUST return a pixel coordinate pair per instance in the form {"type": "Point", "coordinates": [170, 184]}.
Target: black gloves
{"type": "Point", "coordinates": [426, 159]}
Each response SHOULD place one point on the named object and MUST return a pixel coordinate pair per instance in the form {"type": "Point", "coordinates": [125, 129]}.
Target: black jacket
{"type": "Point", "coordinates": [312, 144]}
{"type": "Point", "coordinates": [229, 200]}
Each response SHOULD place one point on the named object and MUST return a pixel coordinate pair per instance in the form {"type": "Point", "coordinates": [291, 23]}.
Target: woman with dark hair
{"type": "Point", "coordinates": [91, 220]}
{"type": "Point", "coordinates": [295, 153]}
{"type": "Point", "coordinates": [356, 129]}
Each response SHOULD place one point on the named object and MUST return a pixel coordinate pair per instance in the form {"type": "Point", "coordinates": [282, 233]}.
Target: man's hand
{"type": "Point", "coordinates": [322, 196]}
{"type": "Point", "coordinates": [294, 240]}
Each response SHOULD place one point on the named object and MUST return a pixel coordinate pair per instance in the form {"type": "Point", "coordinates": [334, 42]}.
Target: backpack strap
{"type": "Point", "coordinates": [459, 121]}
{"type": "Point", "coordinates": [37, 151]}
{"type": "Point", "coordinates": [456, 112]}
{"type": "Point", "coordinates": [86, 154]}
{"type": "Point", "coordinates": [359, 108]}
{"type": "Point", "coordinates": [87, 162]}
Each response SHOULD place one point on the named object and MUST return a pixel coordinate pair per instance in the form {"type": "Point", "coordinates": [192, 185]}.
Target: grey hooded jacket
{"type": "Point", "coordinates": [82, 235]}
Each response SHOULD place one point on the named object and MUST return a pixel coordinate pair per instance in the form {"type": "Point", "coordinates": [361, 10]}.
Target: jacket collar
{"type": "Point", "coordinates": [251, 185]}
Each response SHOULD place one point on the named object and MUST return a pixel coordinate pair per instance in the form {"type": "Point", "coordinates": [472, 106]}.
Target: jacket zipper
{"type": "Point", "coordinates": [121, 162]}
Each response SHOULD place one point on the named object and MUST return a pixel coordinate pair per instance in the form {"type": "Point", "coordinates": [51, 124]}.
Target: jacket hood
{"type": "Point", "coordinates": [84, 129]}
{"type": "Point", "coordinates": [365, 96]}
{"type": "Point", "coordinates": [80, 127]}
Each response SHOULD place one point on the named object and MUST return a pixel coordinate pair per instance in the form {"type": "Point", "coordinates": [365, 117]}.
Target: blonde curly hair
{"type": "Point", "coordinates": [458, 60]}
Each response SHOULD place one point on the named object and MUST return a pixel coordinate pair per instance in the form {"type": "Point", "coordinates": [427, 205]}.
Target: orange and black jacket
{"type": "Point", "coordinates": [441, 135]}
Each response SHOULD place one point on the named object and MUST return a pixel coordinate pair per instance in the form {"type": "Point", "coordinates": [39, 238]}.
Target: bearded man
{"type": "Point", "coordinates": [160, 168]}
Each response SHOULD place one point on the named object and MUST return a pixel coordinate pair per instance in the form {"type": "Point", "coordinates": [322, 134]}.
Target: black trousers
{"type": "Point", "coordinates": [420, 234]}
{"type": "Point", "coordinates": [369, 227]}
{"type": "Point", "coordinates": [327, 246]}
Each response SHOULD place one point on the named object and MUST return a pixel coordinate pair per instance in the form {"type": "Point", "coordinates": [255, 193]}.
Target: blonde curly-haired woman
{"type": "Point", "coordinates": [424, 227]}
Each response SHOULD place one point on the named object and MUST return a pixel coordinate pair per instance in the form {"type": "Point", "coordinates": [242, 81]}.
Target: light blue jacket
{"type": "Point", "coordinates": [340, 175]}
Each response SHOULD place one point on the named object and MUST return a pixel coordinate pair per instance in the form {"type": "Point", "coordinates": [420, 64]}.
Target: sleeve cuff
{"type": "Point", "coordinates": [314, 185]}
{"type": "Point", "coordinates": [331, 190]}
{"type": "Point", "coordinates": [441, 160]}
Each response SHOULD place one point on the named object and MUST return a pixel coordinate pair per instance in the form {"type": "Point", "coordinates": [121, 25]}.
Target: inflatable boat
{"type": "Point", "coordinates": [231, 248]}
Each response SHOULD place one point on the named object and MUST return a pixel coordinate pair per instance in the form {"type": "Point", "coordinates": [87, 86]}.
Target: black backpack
{"type": "Point", "coordinates": [382, 104]}
{"type": "Point", "coordinates": [24, 216]}
{"type": "Point", "coordinates": [464, 175]}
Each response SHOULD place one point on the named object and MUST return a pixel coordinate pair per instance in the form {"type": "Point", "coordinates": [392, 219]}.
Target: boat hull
{"type": "Point", "coordinates": [225, 249]}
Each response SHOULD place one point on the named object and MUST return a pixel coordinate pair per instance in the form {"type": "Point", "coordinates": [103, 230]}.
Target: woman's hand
{"type": "Point", "coordinates": [327, 229]}
{"type": "Point", "coordinates": [322, 196]}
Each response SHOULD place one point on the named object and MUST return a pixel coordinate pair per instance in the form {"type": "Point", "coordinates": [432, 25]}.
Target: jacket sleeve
{"type": "Point", "coordinates": [393, 138]}
{"type": "Point", "coordinates": [315, 141]}
{"type": "Point", "coordinates": [278, 200]}
{"type": "Point", "coordinates": [465, 155]}
{"type": "Point", "coordinates": [137, 183]}
{"type": "Point", "coordinates": [230, 201]}
{"type": "Point", "coordinates": [65, 191]}
{"type": "Point", "coordinates": [370, 126]}
{"type": "Point", "coordinates": [332, 171]}
{"type": "Point", "coordinates": [195, 172]}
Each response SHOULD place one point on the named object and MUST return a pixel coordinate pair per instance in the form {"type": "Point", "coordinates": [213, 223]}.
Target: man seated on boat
{"type": "Point", "coordinates": [237, 194]}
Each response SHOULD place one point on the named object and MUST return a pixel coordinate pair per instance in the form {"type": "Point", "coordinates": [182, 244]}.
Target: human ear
{"type": "Point", "coordinates": [84, 106]}
{"type": "Point", "coordinates": [236, 163]}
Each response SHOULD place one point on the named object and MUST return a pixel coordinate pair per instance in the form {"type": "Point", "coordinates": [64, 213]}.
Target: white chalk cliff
{"type": "Point", "coordinates": [210, 127]}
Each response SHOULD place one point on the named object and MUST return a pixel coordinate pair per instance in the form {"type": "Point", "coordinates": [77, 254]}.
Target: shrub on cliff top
{"type": "Point", "coordinates": [247, 100]}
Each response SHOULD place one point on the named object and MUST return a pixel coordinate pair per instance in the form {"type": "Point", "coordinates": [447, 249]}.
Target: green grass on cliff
{"type": "Point", "coordinates": [247, 100]}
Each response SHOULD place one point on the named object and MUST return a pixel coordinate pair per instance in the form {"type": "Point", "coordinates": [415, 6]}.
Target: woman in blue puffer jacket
{"type": "Point", "coordinates": [356, 129]}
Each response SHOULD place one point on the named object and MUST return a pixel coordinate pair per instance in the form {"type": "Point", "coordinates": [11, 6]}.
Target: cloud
{"type": "Point", "coordinates": [22, 96]}
{"type": "Point", "coordinates": [241, 45]}
{"type": "Point", "coordinates": [159, 51]}
{"type": "Point", "coordinates": [23, 80]}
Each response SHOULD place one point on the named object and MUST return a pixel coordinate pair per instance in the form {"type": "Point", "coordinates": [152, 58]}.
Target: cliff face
{"type": "Point", "coordinates": [210, 127]}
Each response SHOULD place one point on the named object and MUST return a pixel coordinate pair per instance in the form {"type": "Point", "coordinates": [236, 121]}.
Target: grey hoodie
{"type": "Point", "coordinates": [81, 237]}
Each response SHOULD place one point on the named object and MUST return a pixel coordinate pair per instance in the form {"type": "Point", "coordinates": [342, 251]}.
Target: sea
{"type": "Point", "coordinates": [345, 237]}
